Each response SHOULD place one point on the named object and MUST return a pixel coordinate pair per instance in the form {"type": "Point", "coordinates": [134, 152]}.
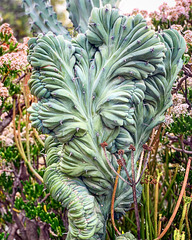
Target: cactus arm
{"type": "Point", "coordinates": [43, 18]}
{"type": "Point", "coordinates": [126, 236]}
{"type": "Point", "coordinates": [85, 217]}
{"type": "Point", "coordinates": [126, 46]}
{"type": "Point", "coordinates": [84, 220]}
{"type": "Point", "coordinates": [157, 100]}
{"type": "Point", "coordinates": [80, 11]}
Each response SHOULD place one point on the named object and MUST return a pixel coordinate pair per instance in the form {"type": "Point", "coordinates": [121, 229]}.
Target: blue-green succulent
{"type": "Point", "coordinates": [111, 83]}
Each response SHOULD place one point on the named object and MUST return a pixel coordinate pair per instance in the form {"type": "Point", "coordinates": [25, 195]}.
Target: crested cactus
{"type": "Point", "coordinates": [111, 84]}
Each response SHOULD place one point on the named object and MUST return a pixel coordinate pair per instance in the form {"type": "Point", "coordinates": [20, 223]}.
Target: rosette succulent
{"type": "Point", "coordinates": [110, 84]}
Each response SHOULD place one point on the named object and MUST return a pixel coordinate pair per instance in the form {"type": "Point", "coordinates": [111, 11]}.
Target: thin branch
{"type": "Point", "coordinates": [21, 151]}
{"type": "Point", "coordinates": [140, 165]}
{"type": "Point", "coordinates": [146, 161]}
{"type": "Point", "coordinates": [47, 195]}
{"type": "Point", "coordinates": [144, 167]}
{"type": "Point", "coordinates": [180, 150]}
{"type": "Point", "coordinates": [178, 202]}
{"type": "Point", "coordinates": [7, 120]}
{"type": "Point", "coordinates": [113, 200]}
{"type": "Point", "coordinates": [176, 89]}
{"type": "Point", "coordinates": [38, 138]}
{"type": "Point", "coordinates": [186, 99]}
{"type": "Point", "coordinates": [121, 152]}
{"type": "Point", "coordinates": [132, 148]}
{"type": "Point", "coordinates": [20, 78]}
{"type": "Point", "coordinates": [110, 165]}
{"type": "Point", "coordinates": [176, 139]}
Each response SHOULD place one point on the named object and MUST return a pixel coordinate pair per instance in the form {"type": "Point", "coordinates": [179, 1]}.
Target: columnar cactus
{"type": "Point", "coordinates": [111, 84]}
{"type": "Point", "coordinates": [43, 18]}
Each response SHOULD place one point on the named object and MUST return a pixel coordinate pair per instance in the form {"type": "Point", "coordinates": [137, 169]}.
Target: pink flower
{"type": "Point", "coordinates": [155, 15]}
{"type": "Point", "coordinates": [188, 36]}
{"type": "Point", "coordinates": [3, 91]}
{"type": "Point", "coordinates": [173, 16]}
{"type": "Point", "coordinates": [5, 29]}
{"type": "Point", "coordinates": [164, 17]}
{"type": "Point", "coordinates": [177, 27]}
{"type": "Point", "coordinates": [164, 7]}
{"type": "Point", "coordinates": [144, 13]}
{"type": "Point", "coordinates": [135, 11]}
{"type": "Point", "coordinates": [17, 59]}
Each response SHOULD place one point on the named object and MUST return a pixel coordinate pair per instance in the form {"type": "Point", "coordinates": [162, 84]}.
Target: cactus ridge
{"type": "Point", "coordinates": [43, 17]}
{"type": "Point", "coordinates": [82, 207]}
{"type": "Point", "coordinates": [112, 84]}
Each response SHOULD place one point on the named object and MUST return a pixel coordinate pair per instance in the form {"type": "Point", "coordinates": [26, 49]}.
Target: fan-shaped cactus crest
{"type": "Point", "coordinates": [110, 84]}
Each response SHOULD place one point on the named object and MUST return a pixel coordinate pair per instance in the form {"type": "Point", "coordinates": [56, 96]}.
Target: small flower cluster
{"type": "Point", "coordinates": [16, 60]}
{"type": "Point", "coordinates": [177, 27]}
{"type": "Point", "coordinates": [179, 107]}
{"type": "Point", "coordinates": [3, 92]}
{"type": "Point", "coordinates": [188, 36]}
{"type": "Point", "coordinates": [166, 13]}
{"type": "Point", "coordinates": [7, 136]}
{"type": "Point", "coordinates": [6, 30]}
{"type": "Point", "coordinates": [137, 11]}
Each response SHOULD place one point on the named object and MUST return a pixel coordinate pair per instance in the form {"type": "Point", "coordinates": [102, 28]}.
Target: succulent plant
{"type": "Point", "coordinates": [110, 85]}
{"type": "Point", "coordinates": [43, 17]}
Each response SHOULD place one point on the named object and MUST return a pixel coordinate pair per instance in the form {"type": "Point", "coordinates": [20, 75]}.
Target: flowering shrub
{"type": "Point", "coordinates": [23, 200]}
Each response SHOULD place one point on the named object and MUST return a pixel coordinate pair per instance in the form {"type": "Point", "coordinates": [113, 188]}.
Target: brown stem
{"type": "Point", "coordinates": [134, 194]}
{"type": "Point", "coordinates": [7, 120]}
{"type": "Point", "coordinates": [113, 200]}
{"type": "Point", "coordinates": [45, 198]}
{"type": "Point", "coordinates": [178, 202]}
{"type": "Point", "coordinates": [181, 150]}
{"type": "Point", "coordinates": [103, 145]}
{"type": "Point", "coordinates": [21, 151]}
{"type": "Point", "coordinates": [12, 231]}
{"type": "Point", "coordinates": [31, 229]}
{"type": "Point", "coordinates": [179, 84]}
{"type": "Point", "coordinates": [44, 231]}
{"type": "Point", "coordinates": [123, 164]}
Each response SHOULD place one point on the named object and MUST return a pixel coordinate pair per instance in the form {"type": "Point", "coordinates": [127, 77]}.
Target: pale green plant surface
{"type": "Point", "coordinates": [112, 84]}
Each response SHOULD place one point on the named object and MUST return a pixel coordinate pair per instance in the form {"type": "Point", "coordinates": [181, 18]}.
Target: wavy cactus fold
{"type": "Point", "coordinates": [112, 84]}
